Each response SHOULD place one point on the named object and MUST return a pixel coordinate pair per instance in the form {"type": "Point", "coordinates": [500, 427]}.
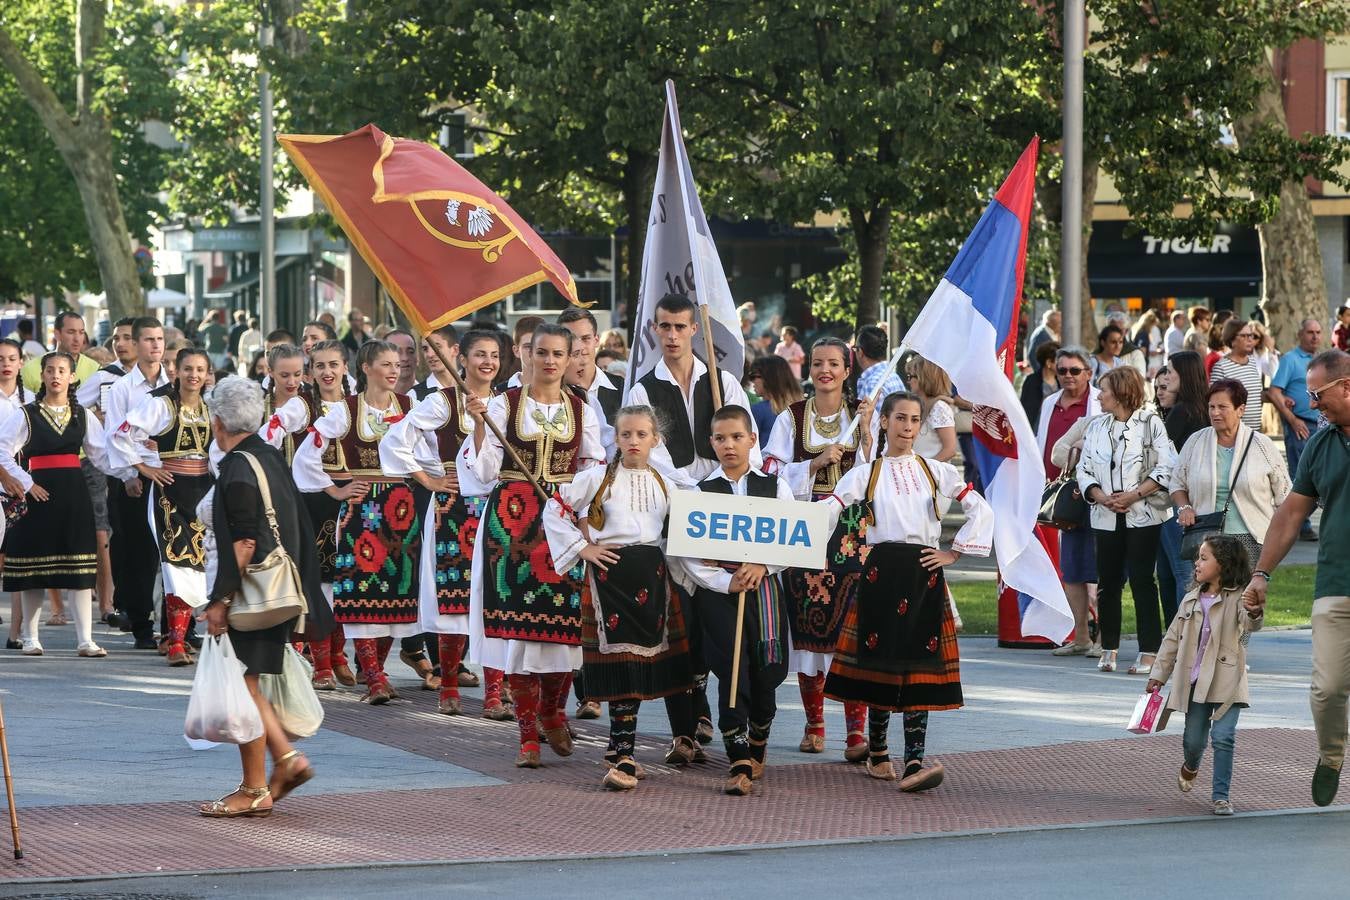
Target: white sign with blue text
{"type": "Point", "coordinates": [728, 528]}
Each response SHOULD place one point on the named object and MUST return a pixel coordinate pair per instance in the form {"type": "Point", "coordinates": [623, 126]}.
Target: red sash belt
{"type": "Point", "coordinates": [54, 461]}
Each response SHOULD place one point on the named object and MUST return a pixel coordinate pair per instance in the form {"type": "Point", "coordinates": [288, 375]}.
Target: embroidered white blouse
{"type": "Point", "coordinates": [288, 418]}
{"type": "Point", "coordinates": [410, 443]}
{"type": "Point", "coordinates": [635, 507]}
{"type": "Point", "coordinates": [308, 464]}
{"type": "Point", "coordinates": [14, 434]}
{"type": "Point", "coordinates": [130, 444]}
{"type": "Point", "coordinates": [486, 462]}
{"type": "Point", "coordinates": [778, 451]}
{"type": "Point", "coordinates": [903, 505]}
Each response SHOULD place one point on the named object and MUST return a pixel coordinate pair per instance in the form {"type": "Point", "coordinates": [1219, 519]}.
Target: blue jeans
{"type": "Point", "coordinates": [1293, 449]}
{"type": "Point", "coordinates": [1223, 737]}
{"type": "Point", "coordinates": [1174, 573]}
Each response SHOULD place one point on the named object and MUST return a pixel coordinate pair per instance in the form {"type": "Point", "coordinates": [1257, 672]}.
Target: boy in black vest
{"type": "Point", "coordinates": [745, 727]}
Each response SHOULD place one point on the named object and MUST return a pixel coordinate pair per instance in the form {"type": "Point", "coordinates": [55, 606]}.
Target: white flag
{"type": "Point", "coordinates": [680, 258]}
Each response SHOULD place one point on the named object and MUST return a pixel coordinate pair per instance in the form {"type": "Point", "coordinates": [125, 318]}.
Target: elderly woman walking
{"type": "Point", "coordinates": [1124, 473]}
{"type": "Point", "coordinates": [1230, 468]}
{"type": "Point", "coordinates": [242, 536]}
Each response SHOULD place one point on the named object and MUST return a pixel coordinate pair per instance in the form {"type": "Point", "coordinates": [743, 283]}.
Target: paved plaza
{"type": "Point", "coordinates": [106, 784]}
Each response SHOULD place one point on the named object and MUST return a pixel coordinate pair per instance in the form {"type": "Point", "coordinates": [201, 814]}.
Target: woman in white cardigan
{"type": "Point", "coordinates": [1207, 477]}
{"type": "Point", "coordinates": [1125, 471]}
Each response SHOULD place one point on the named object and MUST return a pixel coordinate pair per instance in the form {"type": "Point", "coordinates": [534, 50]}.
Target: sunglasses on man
{"type": "Point", "coordinates": [1071, 370]}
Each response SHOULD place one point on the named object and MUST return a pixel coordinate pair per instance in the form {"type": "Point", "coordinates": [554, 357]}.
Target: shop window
{"type": "Point", "coordinates": [1338, 103]}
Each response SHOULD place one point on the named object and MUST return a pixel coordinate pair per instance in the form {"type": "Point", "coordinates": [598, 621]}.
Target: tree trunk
{"type": "Point", "coordinates": [638, 178]}
{"type": "Point", "coordinates": [108, 234]}
{"type": "Point", "coordinates": [85, 145]}
{"type": "Point", "coordinates": [1294, 287]}
{"type": "Point", "coordinates": [872, 234]}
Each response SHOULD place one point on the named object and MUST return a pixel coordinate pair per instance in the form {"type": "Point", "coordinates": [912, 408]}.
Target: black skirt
{"type": "Point", "coordinates": [262, 652]}
{"type": "Point", "coordinates": [53, 545]}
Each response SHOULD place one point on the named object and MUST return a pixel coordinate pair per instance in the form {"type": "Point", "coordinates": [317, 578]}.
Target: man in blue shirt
{"type": "Point", "coordinates": [1289, 392]}
{"type": "Point", "coordinates": [871, 352]}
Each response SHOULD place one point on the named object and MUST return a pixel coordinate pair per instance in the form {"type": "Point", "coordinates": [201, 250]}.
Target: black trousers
{"type": "Point", "coordinates": [684, 710]}
{"type": "Point", "coordinates": [1132, 550]}
{"type": "Point", "coordinates": [755, 700]}
{"type": "Point", "coordinates": [135, 557]}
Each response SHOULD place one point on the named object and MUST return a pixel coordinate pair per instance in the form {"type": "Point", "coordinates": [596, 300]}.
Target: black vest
{"type": "Point", "coordinates": [611, 399]}
{"type": "Point", "coordinates": [667, 399]}
{"type": "Point", "coordinates": [765, 486]}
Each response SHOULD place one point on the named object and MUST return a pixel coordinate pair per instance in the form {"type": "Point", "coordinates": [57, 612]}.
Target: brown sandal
{"type": "Point", "coordinates": [282, 790]}
{"type": "Point", "coordinates": [219, 809]}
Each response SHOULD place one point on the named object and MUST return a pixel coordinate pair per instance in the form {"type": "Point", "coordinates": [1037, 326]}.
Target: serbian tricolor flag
{"type": "Point", "coordinates": [969, 328]}
{"type": "Point", "coordinates": [440, 242]}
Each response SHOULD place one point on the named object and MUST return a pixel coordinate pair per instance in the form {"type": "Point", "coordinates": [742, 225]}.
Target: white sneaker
{"type": "Point", "coordinates": [32, 648]}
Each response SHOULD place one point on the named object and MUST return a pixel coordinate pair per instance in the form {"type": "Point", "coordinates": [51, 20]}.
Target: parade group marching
{"type": "Point", "coordinates": [542, 560]}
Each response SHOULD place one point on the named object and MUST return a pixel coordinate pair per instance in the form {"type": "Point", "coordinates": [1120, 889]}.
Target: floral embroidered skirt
{"type": "Point", "coordinates": [633, 642]}
{"type": "Point", "coordinates": [818, 601]}
{"type": "Point", "coordinates": [524, 599]}
{"type": "Point", "coordinates": [379, 541]}
{"type": "Point", "coordinates": [898, 650]}
{"type": "Point", "coordinates": [452, 528]}
{"type": "Point", "coordinates": [323, 515]}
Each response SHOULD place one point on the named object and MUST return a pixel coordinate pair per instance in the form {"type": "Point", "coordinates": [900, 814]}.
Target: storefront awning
{"type": "Point", "coordinates": [1226, 265]}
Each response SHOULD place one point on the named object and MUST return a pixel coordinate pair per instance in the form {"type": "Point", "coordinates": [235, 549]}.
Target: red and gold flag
{"type": "Point", "coordinates": [439, 241]}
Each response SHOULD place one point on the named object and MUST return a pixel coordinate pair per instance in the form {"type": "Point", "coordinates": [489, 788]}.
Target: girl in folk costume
{"type": "Point", "coordinates": [286, 406]}
{"type": "Point", "coordinates": [174, 419]}
{"type": "Point", "coordinates": [454, 502]}
{"type": "Point", "coordinates": [898, 648]}
{"type": "Point", "coordinates": [379, 531]}
{"type": "Point", "coordinates": [805, 450]}
{"type": "Point", "coordinates": [526, 618]}
{"type": "Point", "coordinates": [13, 396]}
{"type": "Point", "coordinates": [289, 426]}
{"type": "Point", "coordinates": [633, 643]}
{"type": "Point", "coordinates": [52, 546]}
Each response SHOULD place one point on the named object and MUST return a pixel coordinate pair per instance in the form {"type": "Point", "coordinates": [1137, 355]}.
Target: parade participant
{"type": "Point", "coordinates": [438, 419]}
{"type": "Point", "coordinates": [13, 397]}
{"type": "Point", "coordinates": [316, 332]}
{"type": "Point", "coordinates": [680, 390]}
{"type": "Point", "coordinates": [175, 420]}
{"type": "Point", "coordinates": [763, 663]}
{"type": "Point", "coordinates": [378, 526]}
{"type": "Point", "coordinates": [525, 618]}
{"type": "Point", "coordinates": [805, 450]}
{"type": "Point", "coordinates": [520, 349]}
{"type": "Point", "coordinates": [1205, 652]}
{"type": "Point", "coordinates": [286, 392]}
{"type": "Point", "coordinates": [52, 546]}
{"type": "Point", "coordinates": [632, 628]}
{"type": "Point", "coordinates": [93, 390]}
{"type": "Point", "coordinates": [328, 368]}
{"type": "Point", "coordinates": [604, 396]}
{"type": "Point", "coordinates": [407, 359]}
{"type": "Point", "coordinates": [132, 542]}
{"type": "Point", "coordinates": [898, 652]}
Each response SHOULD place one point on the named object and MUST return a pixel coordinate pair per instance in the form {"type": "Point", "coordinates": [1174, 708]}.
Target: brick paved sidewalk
{"type": "Point", "coordinates": [1039, 744]}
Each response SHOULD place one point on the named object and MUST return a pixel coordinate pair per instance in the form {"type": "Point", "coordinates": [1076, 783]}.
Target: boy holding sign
{"type": "Point", "coordinates": [745, 720]}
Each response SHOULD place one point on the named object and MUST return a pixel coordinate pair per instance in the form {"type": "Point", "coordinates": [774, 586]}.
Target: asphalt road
{"type": "Point", "coordinates": [1289, 855]}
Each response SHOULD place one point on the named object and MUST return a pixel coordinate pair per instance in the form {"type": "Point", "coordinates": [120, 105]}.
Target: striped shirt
{"type": "Point", "coordinates": [1251, 379]}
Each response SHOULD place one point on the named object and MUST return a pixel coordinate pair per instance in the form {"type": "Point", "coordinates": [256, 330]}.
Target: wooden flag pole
{"type": "Point", "coordinates": [9, 788]}
{"type": "Point", "coordinates": [714, 371]}
{"type": "Point", "coordinates": [492, 426]}
{"type": "Point", "coordinates": [876, 393]}
{"type": "Point", "coordinates": [736, 652]}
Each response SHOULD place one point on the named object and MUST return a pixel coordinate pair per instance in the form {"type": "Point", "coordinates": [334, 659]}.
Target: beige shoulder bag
{"type": "Point", "coordinates": [270, 592]}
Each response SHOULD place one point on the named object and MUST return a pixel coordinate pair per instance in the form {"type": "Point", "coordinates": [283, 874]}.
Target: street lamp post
{"type": "Point", "coordinates": [267, 225]}
{"type": "Point", "coordinates": [1071, 236]}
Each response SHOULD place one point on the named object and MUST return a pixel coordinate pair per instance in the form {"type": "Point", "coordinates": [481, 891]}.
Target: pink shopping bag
{"type": "Point", "coordinates": [1146, 710]}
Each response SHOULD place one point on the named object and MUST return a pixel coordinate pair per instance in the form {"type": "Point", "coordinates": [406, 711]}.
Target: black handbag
{"type": "Point", "coordinates": [1211, 523]}
{"type": "Point", "coordinates": [1062, 503]}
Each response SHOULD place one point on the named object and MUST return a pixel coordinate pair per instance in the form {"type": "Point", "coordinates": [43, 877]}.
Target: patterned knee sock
{"type": "Point", "coordinates": [759, 739]}
{"type": "Point", "coordinates": [385, 644]}
{"type": "Point", "coordinates": [368, 658]}
{"type": "Point", "coordinates": [451, 647]}
{"type": "Point", "coordinates": [878, 723]}
{"type": "Point", "coordinates": [180, 616]}
{"type": "Point", "coordinates": [337, 646]}
{"type": "Point", "coordinates": [553, 689]}
{"type": "Point", "coordinates": [525, 691]}
{"type": "Point", "coordinates": [916, 732]}
{"type": "Point", "coordinates": [812, 688]}
{"type": "Point", "coordinates": [322, 654]}
{"type": "Point", "coordinates": [623, 731]}
{"type": "Point", "coordinates": [492, 685]}
{"type": "Point", "coordinates": [855, 720]}
{"type": "Point", "coordinates": [737, 743]}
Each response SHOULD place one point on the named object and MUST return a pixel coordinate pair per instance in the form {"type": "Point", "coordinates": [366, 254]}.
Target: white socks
{"type": "Point", "coordinates": [81, 603]}
{"type": "Point", "coordinates": [32, 612]}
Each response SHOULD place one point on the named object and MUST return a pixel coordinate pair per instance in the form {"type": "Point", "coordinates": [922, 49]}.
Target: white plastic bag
{"type": "Point", "coordinates": [220, 708]}
{"type": "Point", "coordinates": [293, 697]}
